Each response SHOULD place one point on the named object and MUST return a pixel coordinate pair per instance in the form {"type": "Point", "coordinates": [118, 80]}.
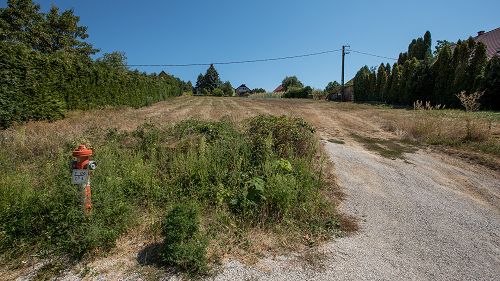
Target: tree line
{"type": "Point", "coordinates": [437, 77]}
{"type": "Point", "coordinates": [46, 68]}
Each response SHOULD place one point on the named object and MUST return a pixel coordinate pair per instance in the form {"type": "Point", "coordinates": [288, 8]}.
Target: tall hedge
{"type": "Point", "coordinates": [37, 86]}
{"type": "Point", "coordinates": [46, 68]}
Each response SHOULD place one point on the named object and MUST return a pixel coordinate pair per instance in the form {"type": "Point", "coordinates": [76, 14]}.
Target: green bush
{"type": "Point", "coordinates": [286, 136]}
{"type": "Point", "coordinates": [218, 92]}
{"type": "Point", "coordinates": [184, 246]}
{"type": "Point", "coordinates": [298, 93]}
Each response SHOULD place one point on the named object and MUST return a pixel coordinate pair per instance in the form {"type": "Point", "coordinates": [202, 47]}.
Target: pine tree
{"type": "Point", "coordinates": [211, 79]}
{"type": "Point", "coordinates": [200, 82]}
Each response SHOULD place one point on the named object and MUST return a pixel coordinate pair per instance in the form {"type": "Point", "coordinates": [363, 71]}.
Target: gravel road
{"type": "Point", "coordinates": [427, 218]}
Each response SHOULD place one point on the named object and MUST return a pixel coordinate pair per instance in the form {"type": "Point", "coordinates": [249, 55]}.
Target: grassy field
{"type": "Point", "coordinates": [247, 182]}
{"type": "Point", "coordinates": [223, 184]}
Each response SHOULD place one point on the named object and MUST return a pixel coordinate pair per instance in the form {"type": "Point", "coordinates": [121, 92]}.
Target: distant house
{"type": "Point", "coordinates": [279, 89]}
{"type": "Point", "coordinates": [243, 90]}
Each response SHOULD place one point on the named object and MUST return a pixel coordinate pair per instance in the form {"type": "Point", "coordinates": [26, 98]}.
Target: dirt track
{"type": "Point", "coordinates": [426, 217]}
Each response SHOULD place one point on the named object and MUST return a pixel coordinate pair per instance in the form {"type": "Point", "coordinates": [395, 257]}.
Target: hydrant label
{"type": "Point", "coordinates": [79, 176]}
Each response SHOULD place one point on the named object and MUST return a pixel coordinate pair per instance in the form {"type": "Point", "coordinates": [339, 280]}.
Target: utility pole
{"type": "Point", "coordinates": [342, 97]}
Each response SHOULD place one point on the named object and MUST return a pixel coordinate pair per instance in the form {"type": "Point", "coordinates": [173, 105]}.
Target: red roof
{"type": "Point", "coordinates": [279, 89]}
{"type": "Point", "coordinates": [492, 41]}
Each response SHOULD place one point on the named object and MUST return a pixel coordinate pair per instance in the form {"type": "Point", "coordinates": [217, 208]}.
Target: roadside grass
{"type": "Point", "coordinates": [265, 176]}
{"type": "Point", "coordinates": [473, 131]}
{"type": "Point", "coordinates": [391, 149]}
{"type": "Point", "coordinates": [337, 141]}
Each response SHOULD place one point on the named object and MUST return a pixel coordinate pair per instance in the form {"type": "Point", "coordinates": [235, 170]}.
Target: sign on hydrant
{"type": "Point", "coordinates": [81, 168]}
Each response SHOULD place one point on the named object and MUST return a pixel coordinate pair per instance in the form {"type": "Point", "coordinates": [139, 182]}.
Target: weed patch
{"type": "Point", "coordinates": [264, 174]}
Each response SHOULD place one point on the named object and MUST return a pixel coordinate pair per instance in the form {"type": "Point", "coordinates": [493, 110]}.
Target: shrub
{"type": "Point", "coordinates": [184, 246]}
{"type": "Point", "coordinates": [218, 92]}
{"type": "Point", "coordinates": [298, 93]}
{"type": "Point", "coordinates": [319, 94]}
{"type": "Point", "coordinates": [287, 136]}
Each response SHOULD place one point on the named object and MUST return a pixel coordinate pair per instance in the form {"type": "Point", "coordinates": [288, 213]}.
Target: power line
{"type": "Point", "coordinates": [239, 62]}
{"type": "Point", "coordinates": [368, 54]}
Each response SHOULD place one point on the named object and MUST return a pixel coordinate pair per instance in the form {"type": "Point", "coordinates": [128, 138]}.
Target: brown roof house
{"type": "Point", "coordinates": [492, 41]}
{"type": "Point", "coordinates": [243, 91]}
{"type": "Point", "coordinates": [279, 89]}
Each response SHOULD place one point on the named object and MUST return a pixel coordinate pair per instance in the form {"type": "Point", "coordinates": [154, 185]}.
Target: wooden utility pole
{"type": "Point", "coordinates": [342, 97]}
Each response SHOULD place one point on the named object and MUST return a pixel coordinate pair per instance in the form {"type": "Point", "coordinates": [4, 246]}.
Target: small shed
{"type": "Point", "coordinates": [243, 90]}
{"type": "Point", "coordinates": [348, 94]}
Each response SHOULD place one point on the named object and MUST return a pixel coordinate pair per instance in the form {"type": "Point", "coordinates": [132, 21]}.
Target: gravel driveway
{"type": "Point", "coordinates": [427, 217]}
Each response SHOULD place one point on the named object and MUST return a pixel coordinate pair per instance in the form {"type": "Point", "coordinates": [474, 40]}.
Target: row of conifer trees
{"type": "Point", "coordinates": [421, 75]}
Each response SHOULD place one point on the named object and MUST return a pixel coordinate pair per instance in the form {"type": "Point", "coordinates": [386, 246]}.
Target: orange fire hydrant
{"type": "Point", "coordinates": [81, 173]}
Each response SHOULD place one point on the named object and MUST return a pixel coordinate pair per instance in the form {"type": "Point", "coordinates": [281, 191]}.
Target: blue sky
{"type": "Point", "coordinates": [171, 32]}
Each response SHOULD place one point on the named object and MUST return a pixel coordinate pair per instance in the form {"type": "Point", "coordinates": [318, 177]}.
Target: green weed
{"type": "Point", "coordinates": [261, 175]}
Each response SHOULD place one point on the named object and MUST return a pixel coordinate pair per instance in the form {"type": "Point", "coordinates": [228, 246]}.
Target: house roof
{"type": "Point", "coordinates": [242, 87]}
{"type": "Point", "coordinates": [492, 41]}
{"type": "Point", "coordinates": [278, 89]}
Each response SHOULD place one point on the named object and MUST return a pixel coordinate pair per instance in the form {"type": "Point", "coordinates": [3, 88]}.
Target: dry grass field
{"type": "Point", "coordinates": [445, 129]}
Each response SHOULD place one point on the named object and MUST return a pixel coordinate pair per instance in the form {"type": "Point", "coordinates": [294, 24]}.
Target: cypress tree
{"type": "Point", "coordinates": [388, 69]}
{"type": "Point", "coordinates": [460, 61]}
{"type": "Point", "coordinates": [491, 85]}
{"type": "Point", "coordinates": [395, 88]}
{"type": "Point", "coordinates": [361, 84]}
{"type": "Point", "coordinates": [372, 88]}
{"type": "Point", "coordinates": [427, 46]}
{"type": "Point", "coordinates": [475, 69]}
{"type": "Point", "coordinates": [443, 77]}
{"type": "Point", "coordinates": [402, 58]}
{"type": "Point", "coordinates": [381, 82]}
